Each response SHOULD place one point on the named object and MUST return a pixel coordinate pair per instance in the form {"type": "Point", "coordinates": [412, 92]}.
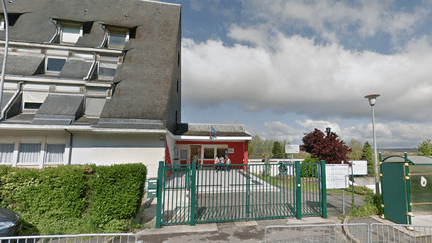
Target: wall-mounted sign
{"type": "Point", "coordinates": [292, 149]}
{"type": "Point", "coordinates": [230, 150]}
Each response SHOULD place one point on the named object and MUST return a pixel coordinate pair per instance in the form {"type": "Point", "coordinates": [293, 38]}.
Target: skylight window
{"type": "Point", "coordinates": [117, 37]}
{"type": "Point", "coordinates": [55, 64]}
{"type": "Point", "coordinates": [70, 33]}
{"type": "Point", "coordinates": [107, 69]}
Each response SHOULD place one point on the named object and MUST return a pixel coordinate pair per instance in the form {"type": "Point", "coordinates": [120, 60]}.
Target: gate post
{"type": "Point", "coordinates": [159, 194]}
{"type": "Point", "coordinates": [248, 191]}
{"type": "Point", "coordinates": [298, 190]}
{"type": "Point", "coordinates": [192, 193]}
{"type": "Point", "coordinates": [323, 189]}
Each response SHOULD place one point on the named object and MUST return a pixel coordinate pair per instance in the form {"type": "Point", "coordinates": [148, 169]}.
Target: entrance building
{"type": "Point", "coordinates": [205, 142]}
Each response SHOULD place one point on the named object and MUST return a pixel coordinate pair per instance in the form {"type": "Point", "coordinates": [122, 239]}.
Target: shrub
{"type": "Point", "coordinates": [309, 167]}
{"type": "Point", "coordinates": [74, 198]}
{"type": "Point", "coordinates": [116, 192]}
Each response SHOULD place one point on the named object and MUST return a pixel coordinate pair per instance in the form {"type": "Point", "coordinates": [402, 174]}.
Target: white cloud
{"type": "Point", "coordinates": [295, 74]}
{"type": "Point", "coordinates": [389, 135]}
{"type": "Point", "coordinates": [333, 19]}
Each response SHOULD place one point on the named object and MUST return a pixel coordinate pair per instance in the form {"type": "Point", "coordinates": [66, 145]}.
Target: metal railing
{"type": "Point", "coordinates": [79, 238]}
{"type": "Point", "coordinates": [359, 232]}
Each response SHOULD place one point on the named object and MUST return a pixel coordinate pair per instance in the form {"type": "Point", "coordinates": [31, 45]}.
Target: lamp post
{"type": "Point", "coordinates": [3, 70]}
{"type": "Point", "coordinates": [372, 99]}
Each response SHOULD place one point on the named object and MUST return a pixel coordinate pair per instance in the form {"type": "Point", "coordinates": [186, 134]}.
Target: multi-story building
{"type": "Point", "coordinates": [93, 82]}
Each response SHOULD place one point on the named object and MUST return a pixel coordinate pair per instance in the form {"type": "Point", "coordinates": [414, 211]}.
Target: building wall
{"type": "Point", "coordinates": [239, 149]}
{"type": "Point", "coordinates": [107, 149]}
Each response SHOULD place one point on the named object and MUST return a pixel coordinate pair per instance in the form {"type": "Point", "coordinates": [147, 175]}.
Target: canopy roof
{"type": "Point", "coordinates": [415, 160]}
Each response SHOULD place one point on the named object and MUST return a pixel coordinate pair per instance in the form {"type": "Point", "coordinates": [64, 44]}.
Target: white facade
{"type": "Point", "coordinates": [32, 148]}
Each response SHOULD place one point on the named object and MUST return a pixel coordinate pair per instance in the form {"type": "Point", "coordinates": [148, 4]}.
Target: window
{"type": "Point", "coordinates": [29, 152]}
{"type": "Point", "coordinates": [117, 37]}
{"type": "Point", "coordinates": [54, 153]}
{"type": "Point", "coordinates": [209, 153]}
{"type": "Point", "coordinates": [183, 154]}
{"type": "Point", "coordinates": [222, 152]}
{"type": "Point", "coordinates": [33, 100]}
{"type": "Point", "coordinates": [6, 153]}
{"type": "Point", "coordinates": [107, 69]}
{"type": "Point", "coordinates": [12, 19]}
{"type": "Point", "coordinates": [70, 33]}
{"type": "Point", "coordinates": [55, 64]}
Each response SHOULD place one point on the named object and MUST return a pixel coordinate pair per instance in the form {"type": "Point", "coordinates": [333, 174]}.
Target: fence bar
{"type": "Point", "coordinates": [298, 190]}
{"type": "Point", "coordinates": [159, 194]}
{"type": "Point", "coordinates": [217, 193]}
{"type": "Point", "coordinates": [192, 194]}
{"type": "Point", "coordinates": [323, 188]}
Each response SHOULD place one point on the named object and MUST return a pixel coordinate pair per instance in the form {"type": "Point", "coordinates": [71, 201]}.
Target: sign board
{"type": "Point", "coordinates": [337, 176]}
{"type": "Point", "coordinates": [359, 166]}
{"type": "Point", "coordinates": [292, 149]}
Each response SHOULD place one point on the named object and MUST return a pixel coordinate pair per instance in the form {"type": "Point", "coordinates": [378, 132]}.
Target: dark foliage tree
{"type": "Point", "coordinates": [368, 156]}
{"type": "Point", "coordinates": [277, 150]}
{"type": "Point", "coordinates": [326, 146]}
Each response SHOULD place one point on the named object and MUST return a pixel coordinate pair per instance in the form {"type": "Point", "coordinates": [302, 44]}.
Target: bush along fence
{"type": "Point", "coordinates": [190, 194]}
{"type": "Point", "coordinates": [74, 198]}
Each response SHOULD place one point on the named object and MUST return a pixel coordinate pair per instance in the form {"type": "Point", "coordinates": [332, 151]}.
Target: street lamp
{"type": "Point", "coordinates": [6, 27]}
{"type": "Point", "coordinates": [372, 99]}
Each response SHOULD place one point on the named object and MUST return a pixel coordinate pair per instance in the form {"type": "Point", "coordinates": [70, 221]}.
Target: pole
{"type": "Point", "coordinates": [6, 23]}
{"type": "Point", "coordinates": [377, 191]}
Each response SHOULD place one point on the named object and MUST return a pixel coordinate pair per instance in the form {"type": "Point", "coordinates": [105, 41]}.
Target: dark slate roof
{"type": "Point", "coordinates": [5, 99]}
{"type": "Point", "coordinates": [22, 64]}
{"type": "Point", "coordinates": [75, 68]}
{"type": "Point", "coordinates": [59, 110]}
{"type": "Point", "coordinates": [223, 130]}
{"type": "Point", "coordinates": [144, 80]}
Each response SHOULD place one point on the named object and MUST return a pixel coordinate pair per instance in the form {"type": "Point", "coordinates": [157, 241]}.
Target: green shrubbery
{"type": "Point", "coordinates": [73, 199]}
{"type": "Point", "coordinates": [309, 167]}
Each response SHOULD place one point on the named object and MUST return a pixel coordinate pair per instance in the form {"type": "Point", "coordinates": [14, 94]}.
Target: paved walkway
{"type": "Point", "coordinates": [240, 231]}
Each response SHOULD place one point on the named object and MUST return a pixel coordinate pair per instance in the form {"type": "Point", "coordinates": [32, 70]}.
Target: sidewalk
{"type": "Point", "coordinates": [238, 231]}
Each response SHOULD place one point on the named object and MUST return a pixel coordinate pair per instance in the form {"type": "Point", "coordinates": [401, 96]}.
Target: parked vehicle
{"type": "Point", "coordinates": [10, 222]}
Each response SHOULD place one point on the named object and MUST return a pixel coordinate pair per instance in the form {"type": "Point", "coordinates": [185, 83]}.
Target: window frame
{"type": "Point", "coordinates": [12, 155]}
{"type": "Point", "coordinates": [52, 71]}
{"type": "Point", "coordinates": [70, 25]}
{"type": "Point", "coordinates": [111, 30]}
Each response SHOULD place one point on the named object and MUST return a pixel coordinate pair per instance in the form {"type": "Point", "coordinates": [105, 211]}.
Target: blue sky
{"type": "Point", "coordinates": [285, 67]}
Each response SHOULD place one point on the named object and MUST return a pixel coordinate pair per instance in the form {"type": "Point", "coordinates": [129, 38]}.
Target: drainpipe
{"type": "Point", "coordinates": [5, 54]}
{"type": "Point", "coordinates": [70, 146]}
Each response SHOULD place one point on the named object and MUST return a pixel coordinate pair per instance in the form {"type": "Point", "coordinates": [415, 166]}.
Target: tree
{"type": "Point", "coordinates": [277, 150]}
{"type": "Point", "coordinates": [326, 146]}
{"type": "Point", "coordinates": [368, 156]}
{"type": "Point", "coordinates": [425, 148]}
{"type": "Point", "coordinates": [356, 149]}
{"type": "Point", "coordinates": [259, 148]}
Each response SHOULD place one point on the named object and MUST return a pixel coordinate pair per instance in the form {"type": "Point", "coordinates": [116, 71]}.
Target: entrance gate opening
{"type": "Point", "coordinates": [190, 194]}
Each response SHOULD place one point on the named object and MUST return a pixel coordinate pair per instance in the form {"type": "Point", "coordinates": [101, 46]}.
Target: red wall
{"type": "Point", "coordinates": [240, 150]}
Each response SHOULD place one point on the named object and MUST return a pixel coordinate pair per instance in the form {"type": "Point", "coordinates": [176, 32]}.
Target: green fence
{"type": "Point", "coordinates": [190, 194]}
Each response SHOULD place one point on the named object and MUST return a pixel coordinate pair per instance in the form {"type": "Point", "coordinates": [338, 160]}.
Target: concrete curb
{"type": "Point", "coordinates": [345, 229]}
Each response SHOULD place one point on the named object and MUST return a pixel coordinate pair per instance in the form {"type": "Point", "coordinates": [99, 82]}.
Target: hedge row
{"type": "Point", "coordinates": [73, 198]}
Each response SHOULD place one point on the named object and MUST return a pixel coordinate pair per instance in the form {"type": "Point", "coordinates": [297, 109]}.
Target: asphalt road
{"type": "Point", "coordinates": [240, 231]}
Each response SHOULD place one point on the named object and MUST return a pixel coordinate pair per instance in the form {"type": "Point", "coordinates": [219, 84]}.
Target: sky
{"type": "Point", "coordinates": [285, 67]}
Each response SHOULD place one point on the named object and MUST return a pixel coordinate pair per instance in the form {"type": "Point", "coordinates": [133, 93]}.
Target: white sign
{"type": "Point", "coordinates": [359, 166]}
{"type": "Point", "coordinates": [337, 176]}
{"type": "Point", "coordinates": [292, 149]}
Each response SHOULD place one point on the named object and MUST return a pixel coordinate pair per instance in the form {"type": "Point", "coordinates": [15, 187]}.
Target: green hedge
{"type": "Point", "coordinates": [73, 198]}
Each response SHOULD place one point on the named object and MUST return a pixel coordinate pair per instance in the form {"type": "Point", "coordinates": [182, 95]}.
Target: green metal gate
{"type": "Point", "coordinates": [394, 192]}
{"type": "Point", "coordinates": [189, 194]}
